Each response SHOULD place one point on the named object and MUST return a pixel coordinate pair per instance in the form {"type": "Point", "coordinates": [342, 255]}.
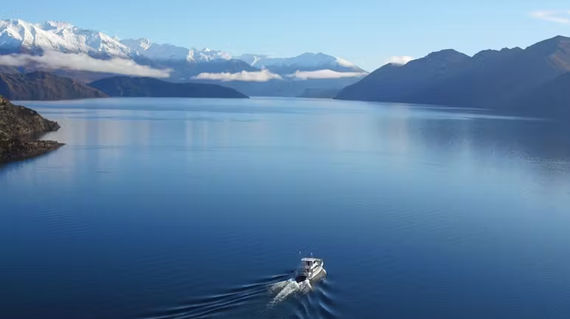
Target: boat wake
{"type": "Point", "coordinates": [277, 296]}
{"type": "Point", "coordinates": [246, 297]}
{"type": "Point", "coordinates": [284, 289]}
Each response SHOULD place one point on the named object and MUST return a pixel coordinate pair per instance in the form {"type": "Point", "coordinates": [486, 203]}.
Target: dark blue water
{"type": "Point", "coordinates": [190, 208]}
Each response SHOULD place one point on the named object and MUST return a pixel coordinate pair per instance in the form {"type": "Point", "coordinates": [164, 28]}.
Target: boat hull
{"type": "Point", "coordinates": [318, 275]}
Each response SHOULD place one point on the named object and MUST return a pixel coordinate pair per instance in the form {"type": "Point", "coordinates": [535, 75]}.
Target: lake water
{"type": "Point", "coordinates": [192, 208]}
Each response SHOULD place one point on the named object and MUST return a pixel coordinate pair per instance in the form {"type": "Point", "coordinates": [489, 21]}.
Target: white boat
{"type": "Point", "coordinates": [310, 269]}
{"type": "Point", "coordinates": [308, 274]}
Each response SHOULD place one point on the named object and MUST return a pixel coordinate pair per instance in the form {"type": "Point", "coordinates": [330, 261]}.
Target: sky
{"type": "Point", "coordinates": [366, 32]}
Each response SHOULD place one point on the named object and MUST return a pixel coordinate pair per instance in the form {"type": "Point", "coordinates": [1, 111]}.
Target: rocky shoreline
{"type": "Point", "coordinates": [20, 128]}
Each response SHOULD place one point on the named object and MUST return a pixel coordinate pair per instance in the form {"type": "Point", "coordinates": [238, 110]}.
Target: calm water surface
{"type": "Point", "coordinates": [191, 208]}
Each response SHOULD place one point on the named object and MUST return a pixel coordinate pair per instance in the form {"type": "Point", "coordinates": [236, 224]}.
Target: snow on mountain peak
{"type": "Point", "coordinates": [145, 44]}
{"type": "Point", "coordinates": [157, 51]}
{"type": "Point", "coordinates": [251, 59]}
{"type": "Point", "coordinates": [137, 45]}
{"type": "Point", "coordinates": [20, 35]}
{"type": "Point", "coordinates": [344, 62]}
{"type": "Point", "coordinates": [303, 62]}
{"type": "Point", "coordinates": [56, 25]}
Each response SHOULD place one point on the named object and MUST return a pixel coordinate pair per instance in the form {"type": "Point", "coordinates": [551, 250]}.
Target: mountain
{"type": "Point", "coordinates": [168, 52]}
{"type": "Point", "coordinates": [18, 36]}
{"type": "Point", "coordinates": [307, 75]}
{"type": "Point", "coordinates": [88, 55]}
{"type": "Point", "coordinates": [44, 86]}
{"type": "Point", "coordinates": [250, 58]}
{"type": "Point", "coordinates": [491, 78]}
{"type": "Point", "coordinates": [288, 87]}
{"type": "Point", "coordinates": [305, 62]}
{"type": "Point", "coordinates": [182, 71]}
{"type": "Point", "coordinates": [319, 93]}
{"type": "Point", "coordinates": [149, 87]}
{"type": "Point", "coordinates": [551, 98]}
{"type": "Point", "coordinates": [19, 129]}
{"type": "Point", "coordinates": [397, 83]}
{"type": "Point", "coordinates": [184, 63]}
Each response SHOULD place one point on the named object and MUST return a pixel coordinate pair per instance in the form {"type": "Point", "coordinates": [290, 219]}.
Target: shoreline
{"type": "Point", "coordinates": [20, 130]}
{"type": "Point", "coordinates": [21, 150]}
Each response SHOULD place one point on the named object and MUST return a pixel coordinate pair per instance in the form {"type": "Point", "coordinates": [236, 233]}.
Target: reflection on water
{"type": "Point", "coordinates": [167, 208]}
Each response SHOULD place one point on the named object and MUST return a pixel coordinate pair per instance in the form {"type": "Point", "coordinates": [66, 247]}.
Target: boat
{"type": "Point", "coordinates": [311, 269]}
{"type": "Point", "coordinates": [305, 277]}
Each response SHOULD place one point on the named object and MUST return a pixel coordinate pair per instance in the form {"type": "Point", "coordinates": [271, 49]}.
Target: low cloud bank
{"type": "Point", "coordinates": [399, 59]}
{"type": "Point", "coordinates": [83, 62]}
{"type": "Point", "coordinates": [245, 76]}
{"type": "Point", "coordinates": [266, 75]}
{"type": "Point", "coordinates": [325, 74]}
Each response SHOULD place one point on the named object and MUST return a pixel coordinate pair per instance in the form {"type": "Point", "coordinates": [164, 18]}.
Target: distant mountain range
{"type": "Point", "coordinates": [533, 79]}
{"type": "Point", "coordinates": [303, 62]}
{"type": "Point", "coordinates": [122, 86]}
{"type": "Point", "coordinates": [44, 86]}
{"type": "Point", "coordinates": [88, 55]}
{"type": "Point", "coordinates": [48, 86]}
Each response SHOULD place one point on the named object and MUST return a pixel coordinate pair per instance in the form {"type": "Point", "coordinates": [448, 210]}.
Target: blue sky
{"type": "Point", "coordinates": [366, 32]}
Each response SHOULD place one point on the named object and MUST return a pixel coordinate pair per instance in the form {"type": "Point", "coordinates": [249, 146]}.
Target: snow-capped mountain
{"type": "Point", "coordinates": [21, 37]}
{"type": "Point", "coordinates": [47, 46]}
{"type": "Point", "coordinates": [304, 62]}
{"type": "Point", "coordinates": [251, 59]}
{"type": "Point", "coordinates": [18, 36]}
{"type": "Point", "coordinates": [165, 52]}
{"type": "Point", "coordinates": [89, 55]}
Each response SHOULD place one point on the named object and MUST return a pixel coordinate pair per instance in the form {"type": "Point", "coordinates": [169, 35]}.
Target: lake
{"type": "Point", "coordinates": [192, 208]}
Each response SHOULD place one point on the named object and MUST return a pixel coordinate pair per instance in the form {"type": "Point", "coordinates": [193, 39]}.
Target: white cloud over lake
{"type": "Point", "coordinates": [325, 74]}
{"type": "Point", "coordinates": [83, 62]}
{"type": "Point", "coordinates": [245, 76]}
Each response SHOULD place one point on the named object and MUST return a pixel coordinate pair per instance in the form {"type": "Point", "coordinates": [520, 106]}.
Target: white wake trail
{"type": "Point", "coordinates": [284, 289]}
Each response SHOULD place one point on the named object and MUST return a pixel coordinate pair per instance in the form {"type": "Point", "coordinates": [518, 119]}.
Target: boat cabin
{"type": "Point", "coordinates": [309, 263]}
{"type": "Point", "coordinates": [308, 269]}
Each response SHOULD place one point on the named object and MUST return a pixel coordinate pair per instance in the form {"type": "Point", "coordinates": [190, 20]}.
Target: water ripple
{"type": "Point", "coordinates": [257, 299]}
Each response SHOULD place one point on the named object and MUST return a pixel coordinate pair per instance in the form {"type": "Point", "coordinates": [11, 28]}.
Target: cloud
{"type": "Point", "coordinates": [325, 74]}
{"type": "Point", "coordinates": [557, 16]}
{"type": "Point", "coordinates": [255, 76]}
{"type": "Point", "coordinates": [83, 62]}
{"type": "Point", "coordinates": [399, 59]}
